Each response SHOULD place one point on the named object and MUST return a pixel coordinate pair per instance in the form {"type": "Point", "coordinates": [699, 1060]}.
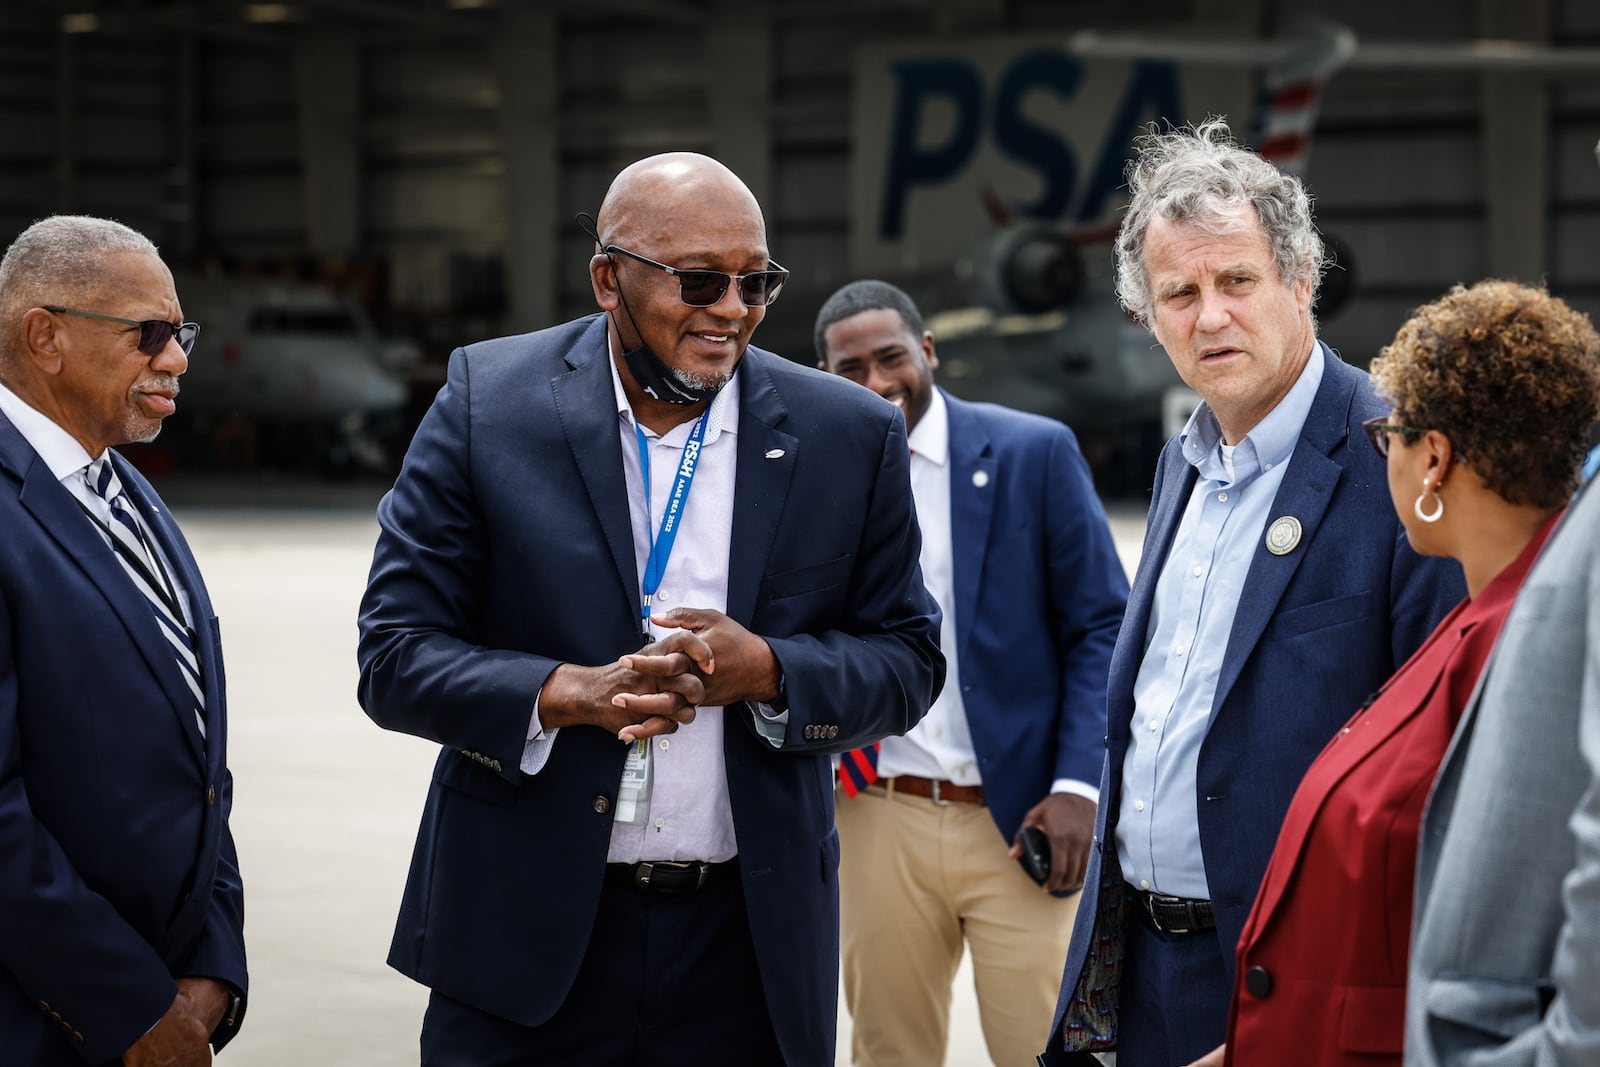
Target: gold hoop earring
{"type": "Point", "coordinates": [1437, 513]}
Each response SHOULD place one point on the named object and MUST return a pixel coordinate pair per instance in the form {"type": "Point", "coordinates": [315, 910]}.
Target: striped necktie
{"type": "Point", "coordinates": [858, 769]}
{"type": "Point", "coordinates": [131, 545]}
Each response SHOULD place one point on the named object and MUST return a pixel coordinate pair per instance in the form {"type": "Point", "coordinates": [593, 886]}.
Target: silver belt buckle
{"type": "Point", "coordinates": [1190, 910]}
{"type": "Point", "coordinates": [936, 798]}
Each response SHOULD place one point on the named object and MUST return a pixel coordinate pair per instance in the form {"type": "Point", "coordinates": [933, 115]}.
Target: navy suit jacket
{"type": "Point", "coordinates": [506, 550]}
{"type": "Point", "coordinates": [117, 868]}
{"type": "Point", "coordinates": [1317, 631]}
{"type": "Point", "coordinates": [1039, 595]}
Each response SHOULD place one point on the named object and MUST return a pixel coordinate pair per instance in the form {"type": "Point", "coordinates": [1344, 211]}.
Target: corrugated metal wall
{"type": "Point", "coordinates": [241, 143]}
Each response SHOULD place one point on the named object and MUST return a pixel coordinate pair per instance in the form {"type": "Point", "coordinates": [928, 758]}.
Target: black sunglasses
{"type": "Point", "coordinates": [1378, 433]}
{"type": "Point", "coordinates": [153, 333]}
{"type": "Point", "coordinates": [703, 288]}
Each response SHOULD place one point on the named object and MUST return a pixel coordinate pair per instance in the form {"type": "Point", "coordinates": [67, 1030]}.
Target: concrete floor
{"type": "Point", "coordinates": [326, 804]}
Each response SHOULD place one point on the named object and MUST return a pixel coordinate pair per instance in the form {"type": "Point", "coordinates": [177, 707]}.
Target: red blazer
{"type": "Point", "coordinates": [1321, 976]}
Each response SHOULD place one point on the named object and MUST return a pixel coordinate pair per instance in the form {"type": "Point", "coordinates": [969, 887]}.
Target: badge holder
{"type": "Point", "coordinates": [633, 798]}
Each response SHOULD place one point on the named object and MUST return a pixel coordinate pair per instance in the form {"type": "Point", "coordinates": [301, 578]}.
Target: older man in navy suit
{"type": "Point", "coordinates": [1017, 552]}
{"type": "Point", "coordinates": [643, 475]}
{"type": "Point", "coordinates": [121, 908]}
{"type": "Point", "coordinates": [1275, 592]}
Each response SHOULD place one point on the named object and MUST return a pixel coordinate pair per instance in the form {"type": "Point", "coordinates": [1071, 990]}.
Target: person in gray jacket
{"type": "Point", "coordinates": [1505, 961]}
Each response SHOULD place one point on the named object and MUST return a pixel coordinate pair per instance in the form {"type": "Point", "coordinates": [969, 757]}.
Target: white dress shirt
{"type": "Point", "coordinates": [940, 746]}
{"type": "Point", "coordinates": [66, 459]}
{"type": "Point", "coordinates": [687, 815]}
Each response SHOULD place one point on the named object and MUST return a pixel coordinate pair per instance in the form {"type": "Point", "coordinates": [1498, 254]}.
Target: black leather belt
{"type": "Point", "coordinates": [670, 877]}
{"type": "Point", "coordinates": [1177, 915]}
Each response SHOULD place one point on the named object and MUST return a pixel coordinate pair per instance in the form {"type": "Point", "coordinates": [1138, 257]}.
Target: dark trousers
{"type": "Point", "coordinates": [667, 980]}
{"type": "Point", "coordinates": [1174, 1003]}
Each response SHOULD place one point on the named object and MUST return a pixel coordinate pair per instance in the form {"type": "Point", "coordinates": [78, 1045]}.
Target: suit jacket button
{"type": "Point", "coordinates": [211, 795]}
{"type": "Point", "coordinates": [833, 731]}
{"type": "Point", "coordinates": [601, 805]}
{"type": "Point", "coordinates": [1258, 982]}
{"type": "Point", "coordinates": [78, 1037]}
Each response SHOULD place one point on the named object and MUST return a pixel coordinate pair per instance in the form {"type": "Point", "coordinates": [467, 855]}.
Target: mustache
{"type": "Point", "coordinates": [164, 383]}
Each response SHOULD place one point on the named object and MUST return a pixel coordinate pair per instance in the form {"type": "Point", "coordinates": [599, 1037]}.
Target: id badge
{"type": "Point", "coordinates": [633, 799]}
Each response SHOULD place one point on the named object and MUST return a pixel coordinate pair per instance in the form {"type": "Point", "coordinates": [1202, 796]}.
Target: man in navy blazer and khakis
{"type": "Point", "coordinates": [1018, 554]}
{"type": "Point", "coordinates": [121, 907]}
{"type": "Point", "coordinates": [1276, 590]}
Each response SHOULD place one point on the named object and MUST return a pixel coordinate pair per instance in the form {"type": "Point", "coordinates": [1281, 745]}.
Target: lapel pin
{"type": "Point", "coordinates": [980, 478]}
{"type": "Point", "coordinates": [774, 453]}
{"type": "Point", "coordinates": [1283, 535]}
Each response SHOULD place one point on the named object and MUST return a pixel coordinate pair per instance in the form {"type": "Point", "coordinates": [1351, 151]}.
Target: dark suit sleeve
{"type": "Point", "coordinates": [65, 945]}
{"type": "Point", "coordinates": [220, 954]}
{"type": "Point", "coordinates": [1088, 593]}
{"type": "Point", "coordinates": [876, 673]}
{"type": "Point", "coordinates": [419, 661]}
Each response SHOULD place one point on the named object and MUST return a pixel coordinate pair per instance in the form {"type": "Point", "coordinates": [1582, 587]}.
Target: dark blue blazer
{"type": "Point", "coordinates": [117, 868]}
{"type": "Point", "coordinates": [506, 550]}
{"type": "Point", "coordinates": [1317, 631]}
{"type": "Point", "coordinates": [1039, 594]}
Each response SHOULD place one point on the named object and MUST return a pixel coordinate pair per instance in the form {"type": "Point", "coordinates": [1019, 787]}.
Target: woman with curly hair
{"type": "Point", "coordinates": [1494, 388]}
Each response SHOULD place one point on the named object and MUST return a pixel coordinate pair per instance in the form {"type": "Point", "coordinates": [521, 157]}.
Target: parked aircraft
{"type": "Point", "coordinates": [1027, 316]}
{"type": "Point", "coordinates": [1046, 332]}
{"type": "Point", "coordinates": [288, 372]}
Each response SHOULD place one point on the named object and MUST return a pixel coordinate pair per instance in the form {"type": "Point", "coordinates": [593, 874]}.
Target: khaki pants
{"type": "Point", "coordinates": [915, 878]}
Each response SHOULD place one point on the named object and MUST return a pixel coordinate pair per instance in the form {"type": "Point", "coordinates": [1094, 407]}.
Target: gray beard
{"type": "Point", "coordinates": [715, 380]}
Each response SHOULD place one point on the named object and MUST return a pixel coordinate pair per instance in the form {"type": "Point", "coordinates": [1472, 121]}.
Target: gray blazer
{"type": "Point", "coordinates": [1505, 959]}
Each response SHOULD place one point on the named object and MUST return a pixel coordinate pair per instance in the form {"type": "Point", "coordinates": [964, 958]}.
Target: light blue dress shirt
{"type": "Point", "coordinates": [1196, 598]}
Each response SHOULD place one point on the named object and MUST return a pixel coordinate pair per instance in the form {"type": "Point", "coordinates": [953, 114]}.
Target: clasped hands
{"type": "Point", "coordinates": [182, 1037]}
{"type": "Point", "coordinates": [708, 659]}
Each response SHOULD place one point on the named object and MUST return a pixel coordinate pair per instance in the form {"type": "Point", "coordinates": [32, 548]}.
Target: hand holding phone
{"type": "Point", "coordinates": [1035, 858]}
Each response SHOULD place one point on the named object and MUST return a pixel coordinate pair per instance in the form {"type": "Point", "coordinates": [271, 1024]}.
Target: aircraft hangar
{"type": "Point", "coordinates": [425, 159]}
{"type": "Point", "coordinates": [402, 176]}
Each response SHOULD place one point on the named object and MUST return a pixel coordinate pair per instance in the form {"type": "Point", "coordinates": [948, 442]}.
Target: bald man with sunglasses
{"type": "Point", "coordinates": [122, 939]}
{"type": "Point", "coordinates": [640, 579]}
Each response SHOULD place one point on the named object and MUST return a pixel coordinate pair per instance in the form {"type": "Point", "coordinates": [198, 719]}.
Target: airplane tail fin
{"type": "Point", "coordinates": [1291, 94]}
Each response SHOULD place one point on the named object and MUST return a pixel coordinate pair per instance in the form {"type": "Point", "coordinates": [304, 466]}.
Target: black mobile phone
{"type": "Point", "coordinates": [1035, 858]}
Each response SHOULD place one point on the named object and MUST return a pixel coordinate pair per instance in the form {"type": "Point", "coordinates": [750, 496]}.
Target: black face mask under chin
{"type": "Point", "coordinates": [655, 378]}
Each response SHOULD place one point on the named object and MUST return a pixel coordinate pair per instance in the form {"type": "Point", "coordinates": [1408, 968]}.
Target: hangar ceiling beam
{"type": "Point", "coordinates": [741, 108]}
{"type": "Point", "coordinates": [67, 114]}
{"type": "Point", "coordinates": [328, 93]}
{"type": "Point", "coordinates": [1516, 147]}
{"type": "Point", "coordinates": [527, 65]}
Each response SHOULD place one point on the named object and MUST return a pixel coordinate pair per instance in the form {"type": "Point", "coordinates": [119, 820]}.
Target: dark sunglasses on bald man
{"type": "Point", "coordinates": [153, 333]}
{"type": "Point", "coordinates": [703, 288]}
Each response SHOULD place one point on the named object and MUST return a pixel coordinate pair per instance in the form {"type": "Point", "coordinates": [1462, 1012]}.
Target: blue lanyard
{"type": "Point", "coordinates": [661, 546]}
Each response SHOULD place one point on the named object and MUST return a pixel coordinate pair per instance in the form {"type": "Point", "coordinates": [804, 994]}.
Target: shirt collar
{"type": "Point", "coordinates": [721, 417]}
{"type": "Point", "coordinates": [60, 451]}
{"type": "Point", "coordinates": [1269, 443]}
{"type": "Point", "coordinates": [930, 438]}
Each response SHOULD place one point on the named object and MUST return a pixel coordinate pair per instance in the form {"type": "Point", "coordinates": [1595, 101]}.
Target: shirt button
{"type": "Point", "coordinates": [1179, 649]}
{"type": "Point", "coordinates": [660, 823]}
{"type": "Point", "coordinates": [1222, 498]}
{"type": "Point", "coordinates": [661, 594]}
{"type": "Point", "coordinates": [1154, 724]}
{"type": "Point", "coordinates": [665, 744]}
{"type": "Point", "coordinates": [1143, 884]}
{"type": "Point", "coordinates": [1198, 571]}
{"type": "Point", "coordinates": [1266, 466]}
{"type": "Point", "coordinates": [1138, 805]}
